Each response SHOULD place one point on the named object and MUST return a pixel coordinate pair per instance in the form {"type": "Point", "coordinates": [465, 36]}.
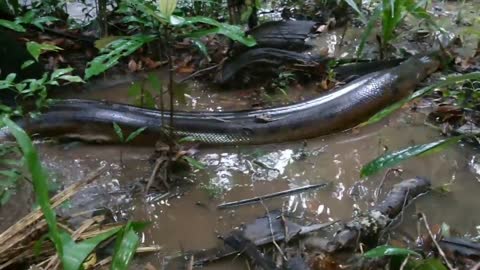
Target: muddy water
{"type": "Point", "coordinates": [187, 218]}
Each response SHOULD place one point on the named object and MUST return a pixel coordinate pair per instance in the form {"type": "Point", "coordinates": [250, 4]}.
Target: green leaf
{"type": "Point", "coordinates": [368, 29]}
{"type": "Point", "coordinates": [448, 81]}
{"type": "Point", "coordinates": [391, 159]}
{"type": "Point", "coordinates": [12, 26]}
{"type": "Point", "coordinates": [39, 179]}
{"type": "Point", "coordinates": [113, 52]}
{"type": "Point", "coordinates": [36, 49]}
{"type": "Point", "coordinates": [382, 251]}
{"type": "Point", "coordinates": [194, 163]}
{"type": "Point", "coordinates": [76, 253]}
{"type": "Point", "coordinates": [431, 264]}
{"type": "Point", "coordinates": [60, 72]}
{"type": "Point", "coordinates": [125, 247]}
{"type": "Point", "coordinates": [354, 6]}
{"type": "Point", "coordinates": [231, 31]}
{"type": "Point", "coordinates": [118, 131]}
{"type": "Point", "coordinates": [201, 47]}
{"type": "Point", "coordinates": [155, 83]}
{"type": "Point", "coordinates": [135, 134]}
{"type": "Point", "coordinates": [27, 64]}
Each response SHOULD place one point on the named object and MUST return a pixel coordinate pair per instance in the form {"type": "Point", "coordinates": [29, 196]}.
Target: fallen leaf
{"type": "Point", "coordinates": [132, 65]}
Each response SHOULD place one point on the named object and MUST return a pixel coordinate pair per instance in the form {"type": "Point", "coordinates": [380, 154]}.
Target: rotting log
{"type": "Point", "coordinates": [367, 227]}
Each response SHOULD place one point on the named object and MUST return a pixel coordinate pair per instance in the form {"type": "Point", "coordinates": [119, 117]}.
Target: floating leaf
{"type": "Point", "coordinates": [391, 159]}
{"type": "Point", "coordinates": [12, 26]}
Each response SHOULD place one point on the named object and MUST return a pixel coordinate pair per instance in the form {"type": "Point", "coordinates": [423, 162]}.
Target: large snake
{"type": "Point", "coordinates": [337, 110]}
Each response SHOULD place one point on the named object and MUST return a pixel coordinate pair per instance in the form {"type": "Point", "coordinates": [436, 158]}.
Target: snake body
{"type": "Point", "coordinates": [337, 110]}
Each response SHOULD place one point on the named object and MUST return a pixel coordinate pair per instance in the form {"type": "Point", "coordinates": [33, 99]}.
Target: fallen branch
{"type": "Point", "coordinates": [367, 227]}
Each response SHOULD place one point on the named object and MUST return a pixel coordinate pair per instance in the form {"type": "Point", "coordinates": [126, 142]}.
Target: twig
{"type": "Point", "coordinates": [271, 231]}
{"type": "Point", "coordinates": [440, 251]}
{"type": "Point", "coordinates": [268, 196]}
{"type": "Point", "coordinates": [198, 73]}
{"type": "Point", "coordinates": [158, 164]}
{"type": "Point", "coordinates": [377, 191]}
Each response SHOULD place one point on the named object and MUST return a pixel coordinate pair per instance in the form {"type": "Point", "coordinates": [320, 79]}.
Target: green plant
{"type": "Point", "coordinates": [71, 253]}
{"type": "Point", "coordinates": [213, 191]}
{"type": "Point", "coordinates": [390, 13]}
{"type": "Point", "coordinates": [31, 17]}
{"type": "Point", "coordinates": [159, 18]}
{"type": "Point", "coordinates": [131, 137]}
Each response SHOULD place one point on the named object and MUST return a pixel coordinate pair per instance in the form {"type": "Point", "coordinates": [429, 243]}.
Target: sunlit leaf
{"type": "Point", "coordinates": [71, 78]}
{"type": "Point", "coordinates": [391, 159]}
{"type": "Point", "coordinates": [167, 7]}
{"type": "Point", "coordinates": [105, 41]}
{"type": "Point", "coordinates": [36, 49]}
{"type": "Point", "coordinates": [448, 81]}
{"type": "Point", "coordinates": [113, 52]}
{"type": "Point", "coordinates": [382, 251]}
{"type": "Point", "coordinates": [12, 26]}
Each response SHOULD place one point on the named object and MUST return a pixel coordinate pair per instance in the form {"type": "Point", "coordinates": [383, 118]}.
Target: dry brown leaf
{"type": "Point", "coordinates": [132, 65]}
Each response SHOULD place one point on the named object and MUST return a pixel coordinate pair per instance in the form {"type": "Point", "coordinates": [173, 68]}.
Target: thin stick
{"type": "Point", "coordinates": [198, 73]}
{"type": "Point", "coordinates": [440, 251]}
{"type": "Point", "coordinates": [268, 196]}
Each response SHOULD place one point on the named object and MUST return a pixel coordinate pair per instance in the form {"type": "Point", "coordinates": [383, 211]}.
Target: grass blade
{"type": "Point", "coordinates": [354, 6]}
{"type": "Point", "coordinates": [448, 81]}
{"type": "Point", "coordinates": [135, 134]}
{"type": "Point", "coordinates": [39, 178]}
{"type": "Point", "coordinates": [368, 29]}
{"type": "Point", "coordinates": [391, 159]}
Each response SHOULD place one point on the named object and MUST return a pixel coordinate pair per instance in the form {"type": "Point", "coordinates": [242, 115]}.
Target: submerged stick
{"type": "Point", "coordinates": [269, 196]}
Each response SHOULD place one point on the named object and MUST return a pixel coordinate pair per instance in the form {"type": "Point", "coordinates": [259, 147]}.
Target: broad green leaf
{"type": "Point", "coordinates": [12, 25]}
{"type": "Point", "coordinates": [194, 163]}
{"type": "Point", "coordinates": [354, 6]}
{"type": "Point", "coordinates": [167, 7]}
{"type": "Point", "coordinates": [125, 247]}
{"type": "Point", "coordinates": [118, 131]}
{"type": "Point", "coordinates": [431, 264]}
{"type": "Point", "coordinates": [27, 64]}
{"type": "Point", "coordinates": [448, 81]}
{"type": "Point", "coordinates": [39, 179]}
{"type": "Point", "coordinates": [382, 251]}
{"type": "Point", "coordinates": [36, 49]}
{"type": "Point", "coordinates": [76, 253]}
{"type": "Point", "coordinates": [113, 52]}
{"type": "Point", "coordinates": [391, 159]}
{"type": "Point", "coordinates": [135, 134]}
